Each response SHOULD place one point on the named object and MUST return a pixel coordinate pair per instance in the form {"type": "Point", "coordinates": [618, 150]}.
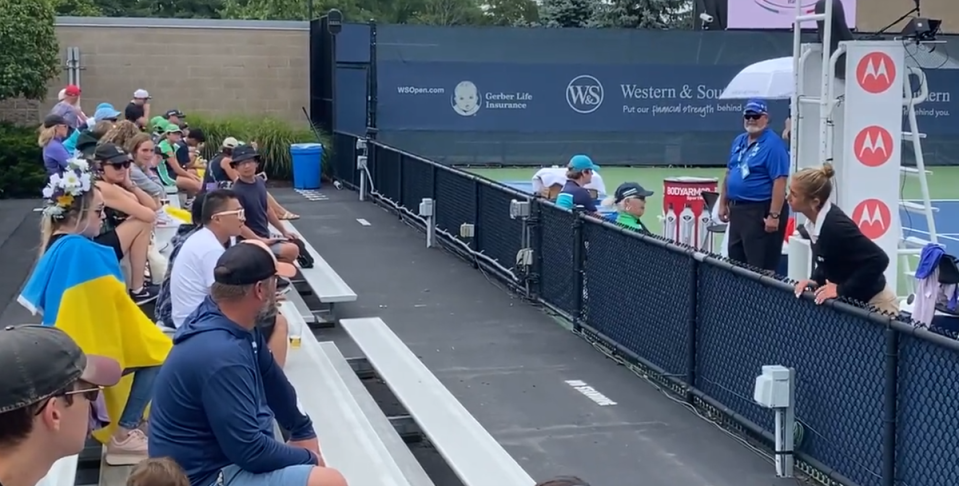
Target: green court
{"type": "Point", "coordinates": [943, 189]}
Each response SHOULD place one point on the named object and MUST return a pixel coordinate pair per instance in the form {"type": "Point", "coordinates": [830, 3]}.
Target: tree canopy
{"type": "Point", "coordinates": [645, 14]}
{"type": "Point", "coordinates": [30, 54]}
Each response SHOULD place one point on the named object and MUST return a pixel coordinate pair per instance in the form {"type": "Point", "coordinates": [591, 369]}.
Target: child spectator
{"type": "Point", "coordinates": [161, 471]}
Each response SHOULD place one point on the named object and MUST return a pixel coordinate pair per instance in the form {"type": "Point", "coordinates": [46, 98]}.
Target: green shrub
{"type": "Point", "coordinates": [21, 163]}
{"type": "Point", "coordinates": [273, 138]}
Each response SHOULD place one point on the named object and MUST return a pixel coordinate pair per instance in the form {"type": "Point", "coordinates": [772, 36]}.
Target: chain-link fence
{"type": "Point", "coordinates": [875, 398]}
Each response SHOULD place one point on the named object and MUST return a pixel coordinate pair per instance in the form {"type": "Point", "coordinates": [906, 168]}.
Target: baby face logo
{"type": "Point", "coordinates": [787, 6]}
{"type": "Point", "coordinates": [466, 99]}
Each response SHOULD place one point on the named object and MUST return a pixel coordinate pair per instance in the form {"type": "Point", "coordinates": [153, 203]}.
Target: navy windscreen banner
{"type": "Point", "coordinates": [480, 97]}
{"type": "Point", "coordinates": [555, 98]}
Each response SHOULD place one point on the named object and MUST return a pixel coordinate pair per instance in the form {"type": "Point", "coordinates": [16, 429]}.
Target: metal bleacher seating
{"type": "Point", "coordinates": [323, 282]}
{"type": "Point", "coordinates": [359, 440]}
{"type": "Point", "coordinates": [470, 451]}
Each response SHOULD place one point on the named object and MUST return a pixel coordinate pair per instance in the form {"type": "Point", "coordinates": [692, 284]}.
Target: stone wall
{"type": "Point", "coordinates": [211, 66]}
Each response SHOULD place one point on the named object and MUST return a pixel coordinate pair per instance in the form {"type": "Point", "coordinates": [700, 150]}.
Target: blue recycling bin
{"type": "Point", "coordinates": [307, 165]}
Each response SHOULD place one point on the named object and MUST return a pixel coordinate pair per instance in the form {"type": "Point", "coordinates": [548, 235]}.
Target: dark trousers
{"type": "Point", "coordinates": [749, 242]}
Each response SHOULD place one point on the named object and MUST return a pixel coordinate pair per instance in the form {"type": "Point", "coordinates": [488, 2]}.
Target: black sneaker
{"type": "Point", "coordinates": [147, 294]}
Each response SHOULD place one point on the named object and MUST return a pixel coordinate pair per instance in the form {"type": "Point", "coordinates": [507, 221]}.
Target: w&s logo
{"type": "Point", "coordinates": [584, 94]}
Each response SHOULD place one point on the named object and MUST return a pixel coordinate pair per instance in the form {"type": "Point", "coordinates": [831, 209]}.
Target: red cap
{"type": "Point", "coordinates": [72, 90]}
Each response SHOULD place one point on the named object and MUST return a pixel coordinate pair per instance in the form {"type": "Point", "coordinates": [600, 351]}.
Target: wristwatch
{"type": "Point", "coordinates": [774, 215]}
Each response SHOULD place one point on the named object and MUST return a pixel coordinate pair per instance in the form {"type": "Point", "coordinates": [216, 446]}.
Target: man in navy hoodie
{"type": "Point", "coordinates": [218, 391]}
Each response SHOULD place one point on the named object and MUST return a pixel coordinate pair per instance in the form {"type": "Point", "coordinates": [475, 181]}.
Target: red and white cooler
{"type": "Point", "coordinates": [685, 217]}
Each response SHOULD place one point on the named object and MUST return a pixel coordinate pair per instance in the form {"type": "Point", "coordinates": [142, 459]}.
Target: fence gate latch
{"type": "Point", "coordinates": [467, 230]}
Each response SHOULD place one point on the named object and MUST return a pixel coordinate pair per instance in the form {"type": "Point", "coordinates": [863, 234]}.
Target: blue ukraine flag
{"type": "Point", "coordinates": [78, 287]}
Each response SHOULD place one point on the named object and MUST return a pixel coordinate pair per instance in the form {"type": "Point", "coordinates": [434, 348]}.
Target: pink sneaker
{"type": "Point", "coordinates": [128, 452]}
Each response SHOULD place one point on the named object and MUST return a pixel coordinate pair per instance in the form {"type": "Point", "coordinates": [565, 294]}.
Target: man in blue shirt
{"type": "Point", "coordinates": [220, 388]}
{"type": "Point", "coordinates": [579, 172]}
{"type": "Point", "coordinates": [754, 191]}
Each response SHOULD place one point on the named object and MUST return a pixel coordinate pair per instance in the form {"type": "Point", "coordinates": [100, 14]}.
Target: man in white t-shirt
{"type": "Point", "coordinates": [192, 273]}
{"type": "Point", "coordinates": [556, 176]}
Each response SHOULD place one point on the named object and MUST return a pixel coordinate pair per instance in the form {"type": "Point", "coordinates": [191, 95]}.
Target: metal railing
{"type": "Point", "coordinates": [875, 397]}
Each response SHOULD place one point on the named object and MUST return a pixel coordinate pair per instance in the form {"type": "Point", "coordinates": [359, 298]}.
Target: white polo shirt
{"type": "Point", "coordinates": [192, 273]}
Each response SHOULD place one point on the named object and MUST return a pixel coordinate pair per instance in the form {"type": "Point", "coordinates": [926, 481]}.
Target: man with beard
{"type": "Point", "coordinates": [754, 192]}
{"type": "Point", "coordinates": [220, 388]}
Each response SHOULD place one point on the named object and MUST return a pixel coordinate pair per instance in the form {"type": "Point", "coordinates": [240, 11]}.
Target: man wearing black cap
{"type": "Point", "coordinates": [174, 116]}
{"type": "Point", "coordinates": [46, 389]}
{"type": "Point", "coordinates": [220, 387]}
{"type": "Point", "coordinates": [630, 200]}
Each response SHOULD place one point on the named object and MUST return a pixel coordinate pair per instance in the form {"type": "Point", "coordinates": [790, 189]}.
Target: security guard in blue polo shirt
{"type": "Point", "coordinates": [754, 191]}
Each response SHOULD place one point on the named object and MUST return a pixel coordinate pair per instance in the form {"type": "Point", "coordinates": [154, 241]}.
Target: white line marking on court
{"type": "Point", "coordinates": [941, 235]}
{"type": "Point", "coordinates": [363, 221]}
{"type": "Point", "coordinates": [590, 393]}
{"type": "Point", "coordinates": [935, 200]}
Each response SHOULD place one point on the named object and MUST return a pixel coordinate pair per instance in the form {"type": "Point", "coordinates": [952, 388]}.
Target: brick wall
{"type": "Point", "coordinates": [209, 66]}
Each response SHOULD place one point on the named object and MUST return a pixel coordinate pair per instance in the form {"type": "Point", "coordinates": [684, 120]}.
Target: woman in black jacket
{"type": "Point", "coordinates": [847, 263]}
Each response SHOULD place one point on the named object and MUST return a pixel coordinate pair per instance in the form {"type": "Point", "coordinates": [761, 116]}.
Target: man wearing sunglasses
{"type": "Point", "coordinates": [754, 191]}
{"type": "Point", "coordinates": [46, 390]}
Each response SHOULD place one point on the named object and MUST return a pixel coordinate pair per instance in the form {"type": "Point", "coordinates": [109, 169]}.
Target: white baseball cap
{"type": "Point", "coordinates": [62, 94]}
{"type": "Point", "coordinates": [230, 142]}
{"type": "Point", "coordinates": [141, 94]}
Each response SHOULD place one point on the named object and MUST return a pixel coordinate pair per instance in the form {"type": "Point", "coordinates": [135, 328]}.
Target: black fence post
{"type": "Point", "coordinates": [371, 98]}
{"type": "Point", "coordinates": [693, 328]}
{"type": "Point", "coordinates": [474, 241]}
{"type": "Point", "coordinates": [890, 404]}
{"type": "Point", "coordinates": [579, 267]}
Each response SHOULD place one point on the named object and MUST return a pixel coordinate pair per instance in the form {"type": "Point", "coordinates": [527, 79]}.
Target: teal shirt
{"type": "Point", "coordinates": [71, 142]}
{"type": "Point", "coordinates": [631, 222]}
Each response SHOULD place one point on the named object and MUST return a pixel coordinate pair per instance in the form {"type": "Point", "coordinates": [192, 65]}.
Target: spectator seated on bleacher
{"type": "Point", "coordinates": [630, 203]}
{"type": "Point", "coordinates": [191, 270]}
{"type": "Point", "coordinates": [104, 116]}
{"type": "Point", "coordinates": [47, 389]}
{"type": "Point", "coordinates": [251, 190]}
{"type": "Point", "coordinates": [549, 181]}
{"type": "Point", "coordinates": [218, 391]}
{"type": "Point", "coordinates": [140, 147]}
{"type": "Point", "coordinates": [172, 173]}
{"type": "Point", "coordinates": [53, 132]}
{"type": "Point", "coordinates": [130, 214]}
{"type": "Point", "coordinates": [579, 173]}
{"type": "Point", "coordinates": [121, 133]}
{"type": "Point", "coordinates": [220, 173]}
{"type": "Point", "coordinates": [77, 286]}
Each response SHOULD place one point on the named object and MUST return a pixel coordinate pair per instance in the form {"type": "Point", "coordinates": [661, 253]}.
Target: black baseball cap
{"type": "Point", "coordinates": [40, 361]}
{"type": "Point", "coordinates": [111, 154]}
{"type": "Point", "coordinates": [53, 120]}
{"type": "Point", "coordinates": [243, 153]}
{"type": "Point", "coordinates": [631, 189]}
{"type": "Point", "coordinates": [248, 263]}
{"type": "Point", "coordinates": [174, 112]}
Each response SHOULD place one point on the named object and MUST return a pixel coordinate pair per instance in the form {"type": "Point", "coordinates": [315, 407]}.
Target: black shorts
{"type": "Point", "coordinates": [111, 239]}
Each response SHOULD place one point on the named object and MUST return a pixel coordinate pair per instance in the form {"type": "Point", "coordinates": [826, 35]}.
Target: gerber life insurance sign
{"type": "Point", "coordinates": [872, 143]}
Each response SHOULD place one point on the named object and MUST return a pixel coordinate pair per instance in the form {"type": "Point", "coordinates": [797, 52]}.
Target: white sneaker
{"type": "Point", "coordinates": [164, 220]}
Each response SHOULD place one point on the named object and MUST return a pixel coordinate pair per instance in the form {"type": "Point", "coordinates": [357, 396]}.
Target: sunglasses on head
{"type": "Point", "coordinates": [752, 116]}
